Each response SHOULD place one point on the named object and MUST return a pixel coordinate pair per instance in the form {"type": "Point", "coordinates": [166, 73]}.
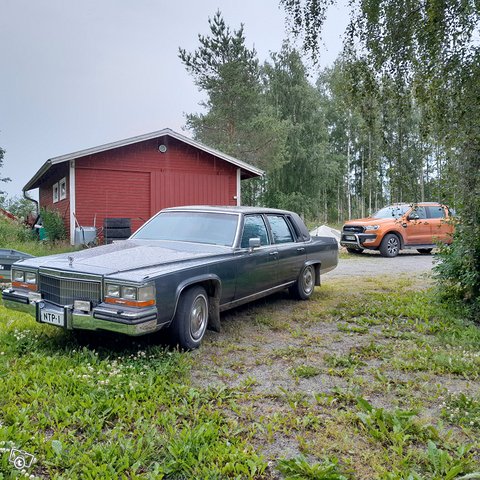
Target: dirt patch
{"type": "Point", "coordinates": [301, 362]}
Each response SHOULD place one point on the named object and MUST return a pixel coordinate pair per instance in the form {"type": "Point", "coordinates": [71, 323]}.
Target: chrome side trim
{"type": "Point", "coordinates": [255, 296]}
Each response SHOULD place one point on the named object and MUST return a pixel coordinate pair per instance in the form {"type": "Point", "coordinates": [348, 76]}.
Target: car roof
{"type": "Point", "coordinates": [226, 209]}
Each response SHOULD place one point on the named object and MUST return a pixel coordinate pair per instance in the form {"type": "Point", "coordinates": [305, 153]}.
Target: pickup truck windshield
{"type": "Point", "coordinates": [195, 227]}
{"type": "Point", "coordinates": [395, 211]}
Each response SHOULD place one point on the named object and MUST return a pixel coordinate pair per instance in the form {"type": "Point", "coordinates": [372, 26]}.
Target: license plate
{"type": "Point", "coordinates": [54, 318]}
{"type": "Point", "coordinates": [350, 237]}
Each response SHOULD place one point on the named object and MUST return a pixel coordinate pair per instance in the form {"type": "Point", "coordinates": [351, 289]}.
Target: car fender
{"type": "Point", "coordinates": [316, 264]}
{"type": "Point", "coordinates": [213, 286]}
{"type": "Point", "coordinates": [398, 233]}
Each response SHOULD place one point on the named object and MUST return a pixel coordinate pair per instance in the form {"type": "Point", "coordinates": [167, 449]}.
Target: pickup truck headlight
{"type": "Point", "coordinates": [371, 227]}
{"type": "Point", "coordinates": [130, 295]}
{"type": "Point", "coordinates": [24, 279]}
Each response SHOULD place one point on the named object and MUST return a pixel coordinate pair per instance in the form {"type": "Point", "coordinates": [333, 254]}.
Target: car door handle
{"type": "Point", "coordinates": [273, 253]}
{"type": "Point", "coordinates": [300, 249]}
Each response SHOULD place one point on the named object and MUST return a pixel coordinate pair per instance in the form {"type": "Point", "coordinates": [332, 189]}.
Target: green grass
{"type": "Point", "coordinates": [310, 400]}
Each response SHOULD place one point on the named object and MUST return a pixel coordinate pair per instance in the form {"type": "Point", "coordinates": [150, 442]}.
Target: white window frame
{"type": "Point", "coordinates": [55, 190]}
{"type": "Point", "coordinates": [62, 186]}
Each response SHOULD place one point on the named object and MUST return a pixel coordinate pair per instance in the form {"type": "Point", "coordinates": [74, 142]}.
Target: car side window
{"type": "Point", "coordinates": [435, 212]}
{"type": "Point", "coordinates": [420, 211]}
{"type": "Point", "coordinates": [254, 227]}
{"type": "Point", "coordinates": [280, 230]}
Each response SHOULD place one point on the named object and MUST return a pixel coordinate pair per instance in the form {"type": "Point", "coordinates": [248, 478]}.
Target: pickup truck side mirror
{"type": "Point", "coordinates": [253, 243]}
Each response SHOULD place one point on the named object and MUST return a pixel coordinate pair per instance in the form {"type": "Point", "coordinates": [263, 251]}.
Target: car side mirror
{"type": "Point", "coordinates": [413, 216]}
{"type": "Point", "coordinates": [253, 243]}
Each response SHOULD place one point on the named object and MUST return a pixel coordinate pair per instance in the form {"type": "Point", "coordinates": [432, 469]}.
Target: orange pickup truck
{"type": "Point", "coordinates": [421, 226]}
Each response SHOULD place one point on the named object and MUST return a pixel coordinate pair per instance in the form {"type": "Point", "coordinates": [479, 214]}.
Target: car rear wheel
{"type": "Point", "coordinates": [390, 246]}
{"type": "Point", "coordinates": [424, 251]}
{"type": "Point", "coordinates": [305, 285]}
{"type": "Point", "coordinates": [190, 322]}
{"type": "Point", "coordinates": [355, 251]}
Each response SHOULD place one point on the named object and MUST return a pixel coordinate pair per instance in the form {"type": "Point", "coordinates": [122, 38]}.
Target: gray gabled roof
{"type": "Point", "coordinates": [35, 181]}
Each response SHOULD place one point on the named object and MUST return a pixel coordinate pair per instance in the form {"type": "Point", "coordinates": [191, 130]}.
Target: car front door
{"type": "Point", "coordinates": [290, 253]}
{"type": "Point", "coordinates": [256, 270]}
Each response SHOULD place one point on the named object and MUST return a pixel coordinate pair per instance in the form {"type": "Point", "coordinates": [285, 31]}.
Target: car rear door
{"type": "Point", "coordinates": [417, 227]}
{"type": "Point", "coordinates": [291, 254]}
{"type": "Point", "coordinates": [440, 229]}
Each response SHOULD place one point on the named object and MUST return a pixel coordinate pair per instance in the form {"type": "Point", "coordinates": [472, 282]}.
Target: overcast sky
{"type": "Point", "coordinates": [79, 73]}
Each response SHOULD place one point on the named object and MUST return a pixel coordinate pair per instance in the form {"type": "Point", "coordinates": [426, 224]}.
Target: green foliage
{"type": "Point", "coordinates": [53, 224]}
{"type": "Point", "coordinates": [462, 410]}
{"type": "Point", "coordinates": [18, 206]}
{"type": "Point", "coordinates": [299, 468]}
{"type": "Point", "coordinates": [3, 179]}
{"type": "Point", "coordinates": [12, 233]}
{"type": "Point", "coordinates": [429, 53]}
{"type": "Point", "coordinates": [238, 121]}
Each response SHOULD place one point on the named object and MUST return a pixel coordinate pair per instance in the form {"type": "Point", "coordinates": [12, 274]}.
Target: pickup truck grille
{"type": "Point", "coordinates": [63, 290]}
{"type": "Point", "coordinates": [353, 229]}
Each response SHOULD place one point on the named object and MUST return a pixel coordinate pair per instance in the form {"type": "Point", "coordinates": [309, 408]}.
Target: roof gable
{"type": "Point", "coordinates": [35, 181]}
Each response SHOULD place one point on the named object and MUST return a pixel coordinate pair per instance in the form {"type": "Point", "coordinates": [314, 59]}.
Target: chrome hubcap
{"type": "Point", "coordinates": [198, 317]}
{"type": "Point", "coordinates": [308, 280]}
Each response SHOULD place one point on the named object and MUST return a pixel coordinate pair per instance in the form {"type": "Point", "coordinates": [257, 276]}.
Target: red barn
{"type": "Point", "coordinates": [137, 177]}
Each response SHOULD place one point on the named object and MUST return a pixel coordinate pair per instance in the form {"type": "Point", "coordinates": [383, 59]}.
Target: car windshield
{"type": "Point", "coordinates": [394, 211]}
{"type": "Point", "coordinates": [196, 227]}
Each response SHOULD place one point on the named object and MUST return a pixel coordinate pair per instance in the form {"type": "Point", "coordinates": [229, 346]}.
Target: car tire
{"type": "Point", "coordinates": [355, 251]}
{"type": "Point", "coordinates": [303, 288]}
{"type": "Point", "coordinates": [425, 251]}
{"type": "Point", "coordinates": [390, 245]}
{"type": "Point", "coordinates": [191, 318]}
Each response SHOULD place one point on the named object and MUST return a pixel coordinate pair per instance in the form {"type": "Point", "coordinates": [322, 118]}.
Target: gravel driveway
{"type": "Point", "coordinates": [372, 264]}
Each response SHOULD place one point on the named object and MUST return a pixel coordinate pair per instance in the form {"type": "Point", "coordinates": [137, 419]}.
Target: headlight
{"type": "Point", "coordinates": [371, 227]}
{"type": "Point", "coordinates": [18, 276]}
{"type": "Point", "coordinates": [129, 293]}
{"type": "Point", "coordinates": [31, 278]}
{"type": "Point", "coordinates": [112, 290]}
{"type": "Point", "coordinates": [24, 279]}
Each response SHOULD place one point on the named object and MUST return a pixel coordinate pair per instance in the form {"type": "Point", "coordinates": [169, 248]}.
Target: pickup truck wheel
{"type": "Point", "coordinates": [390, 246]}
{"type": "Point", "coordinates": [305, 284]}
{"type": "Point", "coordinates": [191, 319]}
{"type": "Point", "coordinates": [424, 251]}
{"type": "Point", "coordinates": [355, 251]}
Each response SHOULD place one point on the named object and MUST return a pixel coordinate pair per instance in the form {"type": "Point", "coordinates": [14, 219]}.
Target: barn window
{"type": "Point", "coordinates": [55, 192]}
{"type": "Point", "coordinates": [62, 187]}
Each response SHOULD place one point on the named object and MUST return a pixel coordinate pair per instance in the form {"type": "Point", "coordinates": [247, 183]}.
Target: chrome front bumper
{"type": "Point", "coordinates": [129, 321]}
{"type": "Point", "coordinates": [356, 240]}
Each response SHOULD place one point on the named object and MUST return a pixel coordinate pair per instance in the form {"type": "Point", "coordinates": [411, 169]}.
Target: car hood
{"type": "Point", "coordinates": [135, 258]}
{"type": "Point", "coordinates": [371, 221]}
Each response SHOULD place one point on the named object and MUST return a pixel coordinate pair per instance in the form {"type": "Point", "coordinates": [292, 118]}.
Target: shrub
{"type": "Point", "coordinates": [53, 224]}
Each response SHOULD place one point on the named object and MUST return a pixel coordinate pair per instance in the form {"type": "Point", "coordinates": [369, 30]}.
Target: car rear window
{"type": "Point", "coordinates": [435, 212]}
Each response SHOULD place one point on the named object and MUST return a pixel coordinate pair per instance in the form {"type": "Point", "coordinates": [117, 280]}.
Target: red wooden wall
{"type": "Point", "coordinates": [136, 181]}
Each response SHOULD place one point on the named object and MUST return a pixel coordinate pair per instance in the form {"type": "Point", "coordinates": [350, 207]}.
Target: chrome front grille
{"type": "Point", "coordinates": [353, 229]}
{"type": "Point", "coordinates": [63, 288]}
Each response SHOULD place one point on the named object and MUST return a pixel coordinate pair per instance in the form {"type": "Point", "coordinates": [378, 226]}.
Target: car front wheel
{"type": "Point", "coordinates": [191, 319]}
{"type": "Point", "coordinates": [305, 285]}
{"type": "Point", "coordinates": [390, 246]}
